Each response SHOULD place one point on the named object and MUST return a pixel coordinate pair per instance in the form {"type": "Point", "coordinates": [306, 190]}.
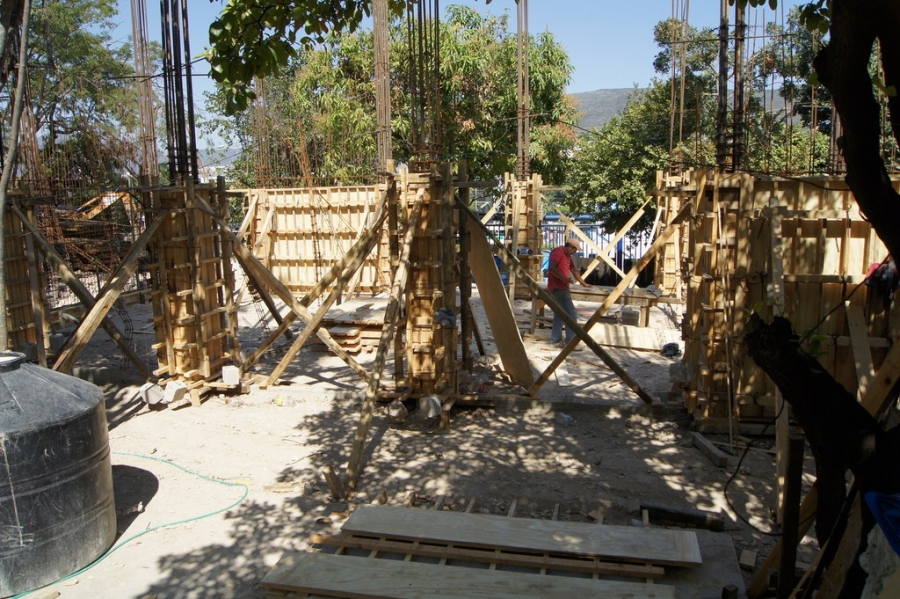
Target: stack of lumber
{"type": "Point", "coordinates": [355, 325]}
{"type": "Point", "coordinates": [525, 558]}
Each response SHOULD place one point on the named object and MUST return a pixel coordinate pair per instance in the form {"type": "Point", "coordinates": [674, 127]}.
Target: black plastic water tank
{"type": "Point", "coordinates": [56, 496]}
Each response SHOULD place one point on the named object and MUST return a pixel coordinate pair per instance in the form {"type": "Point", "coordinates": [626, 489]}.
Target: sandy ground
{"type": "Point", "coordinates": [208, 498]}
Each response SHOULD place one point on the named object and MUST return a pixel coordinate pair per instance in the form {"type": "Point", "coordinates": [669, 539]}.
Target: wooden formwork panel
{"type": "Point", "coordinates": [799, 248]}
{"type": "Point", "coordinates": [300, 233]}
{"type": "Point", "coordinates": [192, 289]}
{"type": "Point", "coordinates": [431, 287]}
{"type": "Point", "coordinates": [24, 286]}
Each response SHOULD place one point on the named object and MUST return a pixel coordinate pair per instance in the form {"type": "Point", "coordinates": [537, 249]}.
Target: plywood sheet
{"type": "Point", "coordinates": [367, 578]}
{"type": "Point", "coordinates": [623, 543]}
{"type": "Point", "coordinates": [496, 305]}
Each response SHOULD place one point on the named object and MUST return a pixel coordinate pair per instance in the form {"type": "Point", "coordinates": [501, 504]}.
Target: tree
{"type": "Point", "coordinates": [325, 101]}
{"type": "Point", "coordinates": [259, 39]}
{"type": "Point", "coordinates": [81, 94]}
{"type": "Point", "coordinates": [614, 168]}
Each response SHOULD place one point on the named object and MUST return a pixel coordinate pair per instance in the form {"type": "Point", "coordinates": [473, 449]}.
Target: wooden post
{"type": "Point", "coordinates": [791, 511]}
{"type": "Point", "coordinates": [387, 332]}
{"type": "Point", "coordinates": [465, 276]}
{"type": "Point", "coordinates": [38, 303]}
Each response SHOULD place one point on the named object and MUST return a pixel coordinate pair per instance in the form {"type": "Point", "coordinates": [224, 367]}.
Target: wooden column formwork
{"type": "Point", "coordinates": [192, 286]}
{"type": "Point", "coordinates": [431, 332]}
{"type": "Point", "coordinates": [523, 229]}
{"type": "Point", "coordinates": [797, 247]}
{"type": "Point", "coordinates": [26, 314]}
{"type": "Point", "coordinates": [299, 234]}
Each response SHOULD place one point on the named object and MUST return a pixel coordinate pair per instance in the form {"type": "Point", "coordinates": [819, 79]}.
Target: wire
{"type": "Point", "coordinates": [153, 528]}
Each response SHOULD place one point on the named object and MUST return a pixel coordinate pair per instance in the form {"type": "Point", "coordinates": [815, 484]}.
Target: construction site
{"type": "Point", "coordinates": [352, 392]}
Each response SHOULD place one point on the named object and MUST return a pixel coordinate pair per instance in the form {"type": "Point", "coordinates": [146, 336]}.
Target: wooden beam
{"type": "Point", "coordinates": [392, 312]}
{"type": "Point", "coordinates": [490, 213]}
{"type": "Point", "coordinates": [81, 292]}
{"type": "Point", "coordinates": [614, 295]}
{"type": "Point", "coordinates": [263, 277]}
{"type": "Point", "coordinates": [107, 297]}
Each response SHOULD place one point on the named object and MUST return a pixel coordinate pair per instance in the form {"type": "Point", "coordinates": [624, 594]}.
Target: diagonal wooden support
{"type": "Point", "coordinates": [355, 259]}
{"type": "Point", "coordinates": [81, 292]}
{"type": "Point", "coordinates": [363, 245]}
{"type": "Point", "coordinates": [511, 261]}
{"type": "Point", "coordinates": [106, 298]}
{"type": "Point", "coordinates": [263, 278]}
{"type": "Point", "coordinates": [354, 464]}
{"type": "Point", "coordinates": [614, 295]}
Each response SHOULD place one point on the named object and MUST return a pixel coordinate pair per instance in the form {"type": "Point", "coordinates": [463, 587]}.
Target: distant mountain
{"type": "Point", "coordinates": [599, 106]}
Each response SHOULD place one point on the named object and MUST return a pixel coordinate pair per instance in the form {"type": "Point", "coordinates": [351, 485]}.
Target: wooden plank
{"type": "Point", "coordinates": [862, 355]}
{"type": "Point", "coordinates": [622, 543]}
{"type": "Point", "coordinates": [500, 557]}
{"type": "Point", "coordinates": [716, 455]}
{"type": "Point", "coordinates": [496, 305]}
{"type": "Point", "coordinates": [365, 578]}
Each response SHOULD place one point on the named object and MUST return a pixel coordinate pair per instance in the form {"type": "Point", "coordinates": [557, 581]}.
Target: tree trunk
{"type": "Point", "coordinates": [843, 68]}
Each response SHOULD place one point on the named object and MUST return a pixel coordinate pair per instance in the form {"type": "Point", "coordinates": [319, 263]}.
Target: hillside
{"type": "Point", "coordinates": [599, 106]}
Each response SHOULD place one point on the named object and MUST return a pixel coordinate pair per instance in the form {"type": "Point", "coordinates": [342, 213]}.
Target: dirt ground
{"type": "Point", "coordinates": [208, 498]}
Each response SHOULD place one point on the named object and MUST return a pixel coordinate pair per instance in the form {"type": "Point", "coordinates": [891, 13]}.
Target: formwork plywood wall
{"type": "Point", "coordinates": [799, 248]}
{"type": "Point", "coordinates": [300, 233]}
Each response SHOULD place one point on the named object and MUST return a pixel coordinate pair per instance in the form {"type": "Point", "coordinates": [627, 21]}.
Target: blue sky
{"type": "Point", "coordinates": [610, 42]}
